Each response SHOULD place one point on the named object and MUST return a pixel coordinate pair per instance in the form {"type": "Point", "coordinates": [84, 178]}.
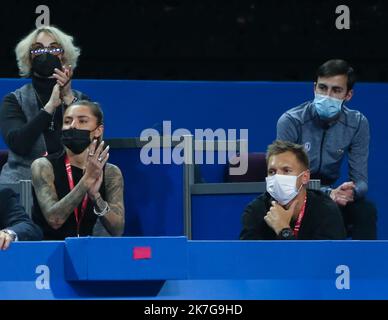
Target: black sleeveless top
{"type": "Point", "coordinates": [69, 228]}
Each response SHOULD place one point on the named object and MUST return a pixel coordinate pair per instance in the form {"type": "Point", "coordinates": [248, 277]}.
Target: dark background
{"type": "Point", "coordinates": [208, 39]}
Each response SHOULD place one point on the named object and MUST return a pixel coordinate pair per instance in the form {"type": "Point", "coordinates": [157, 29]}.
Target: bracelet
{"type": "Point", "coordinates": [103, 212]}
{"type": "Point", "coordinates": [74, 100]}
{"type": "Point", "coordinates": [11, 233]}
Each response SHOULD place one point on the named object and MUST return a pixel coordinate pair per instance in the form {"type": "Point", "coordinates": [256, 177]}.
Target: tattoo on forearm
{"type": "Point", "coordinates": [114, 188]}
{"type": "Point", "coordinates": [55, 211]}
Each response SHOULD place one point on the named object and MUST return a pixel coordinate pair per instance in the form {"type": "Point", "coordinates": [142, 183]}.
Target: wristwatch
{"type": "Point", "coordinates": [286, 234]}
{"type": "Point", "coordinates": [11, 233]}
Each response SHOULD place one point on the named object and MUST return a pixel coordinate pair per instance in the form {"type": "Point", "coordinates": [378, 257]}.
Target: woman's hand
{"type": "Point", "coordinates": [55, 100]}
{"type": "Point", "coordinates": [96, 159]}
{"type": "Point", "coordinates": [94, 189]}
{"type": "Point", "coordinates": [64, 81]}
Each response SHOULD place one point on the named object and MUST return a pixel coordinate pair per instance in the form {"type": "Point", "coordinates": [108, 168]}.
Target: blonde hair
{"type": "Point", "coordinates": [22, 50]}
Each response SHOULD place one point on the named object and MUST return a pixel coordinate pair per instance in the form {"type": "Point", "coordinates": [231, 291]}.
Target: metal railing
{"type": "Point", "coordinates": [24, 189]}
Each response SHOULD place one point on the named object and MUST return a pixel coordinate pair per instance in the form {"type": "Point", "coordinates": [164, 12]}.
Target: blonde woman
{"type": "Point", "coordinates": [31, 116]}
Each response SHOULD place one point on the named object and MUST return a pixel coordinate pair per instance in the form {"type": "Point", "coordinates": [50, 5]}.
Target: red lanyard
{"type": "Point", "coordinates": [300, 217]}
{"type": "Point", "coordinates": [71, 186]}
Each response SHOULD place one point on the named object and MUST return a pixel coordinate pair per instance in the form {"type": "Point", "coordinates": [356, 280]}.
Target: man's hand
{"type": "Point", "coordinates": [279, 218]}
{"type": "Point", "coordinates": [343, 194]}
{"type": "Point", "coordinates": [5, 240]}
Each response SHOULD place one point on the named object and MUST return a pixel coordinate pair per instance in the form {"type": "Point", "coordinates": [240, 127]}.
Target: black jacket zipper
{"type": "Point", "coordinates": [320, 153]}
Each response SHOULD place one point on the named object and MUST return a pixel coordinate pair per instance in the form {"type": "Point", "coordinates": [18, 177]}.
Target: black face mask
{"type": "Point", "coordinates": [76, 140]}
{"type": "Point", "coordinates": [45, 64]}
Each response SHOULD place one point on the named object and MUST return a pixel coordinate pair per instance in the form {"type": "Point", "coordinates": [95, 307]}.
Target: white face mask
{"type": "Point", "coordinates": [327, 107]}
{"type": "Point", "coordinates": [283, 187]}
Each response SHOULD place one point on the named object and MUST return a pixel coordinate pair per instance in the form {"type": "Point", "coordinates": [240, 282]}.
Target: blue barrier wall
{"type": "Point", "coordinates": [101, 268]}
{"type": "Point", "coordinates": [217, 217]}
{"type": "Point", "coordinates": [131, 106]}
{"type": "Point", "coordinates": [153, 195]}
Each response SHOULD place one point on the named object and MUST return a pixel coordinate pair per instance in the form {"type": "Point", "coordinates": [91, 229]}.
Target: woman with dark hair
{"type": "Point", "coordinates": [74, 189]}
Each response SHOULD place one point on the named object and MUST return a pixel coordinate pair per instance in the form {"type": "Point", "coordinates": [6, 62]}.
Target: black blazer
{"type": "Point", "coordinates": [14, 217]}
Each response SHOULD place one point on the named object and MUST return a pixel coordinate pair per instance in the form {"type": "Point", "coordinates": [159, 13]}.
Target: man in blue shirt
{"type": "Point", "coordinates": [329, 130]}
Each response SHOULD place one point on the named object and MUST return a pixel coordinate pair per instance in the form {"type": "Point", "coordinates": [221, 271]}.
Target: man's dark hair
{"type": "Point", "coordinates": [336, 67]}
{"type": "Point", "coordinates": [279, 146]}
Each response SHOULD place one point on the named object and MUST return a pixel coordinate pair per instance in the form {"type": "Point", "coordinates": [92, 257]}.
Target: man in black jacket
{"type": "Point", "coordinates": [288, 211]}
{"type": "Point", "coordinates": [15, 225]}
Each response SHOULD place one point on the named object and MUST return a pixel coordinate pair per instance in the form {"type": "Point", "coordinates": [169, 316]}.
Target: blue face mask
{"type": "Point", "coordinates": [326, 106]}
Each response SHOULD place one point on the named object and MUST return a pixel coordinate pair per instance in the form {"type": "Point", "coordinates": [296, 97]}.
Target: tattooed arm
{"type": "Point", "coordinates": [114, 219]}
{"type": "Point", "coordinates": [55, 211]}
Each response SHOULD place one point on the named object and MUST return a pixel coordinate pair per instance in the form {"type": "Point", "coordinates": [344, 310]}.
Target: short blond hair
{"type": "Point", "coordinates": [22, 50]}
{"type": "Point", "coordinates": [279, 146]}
